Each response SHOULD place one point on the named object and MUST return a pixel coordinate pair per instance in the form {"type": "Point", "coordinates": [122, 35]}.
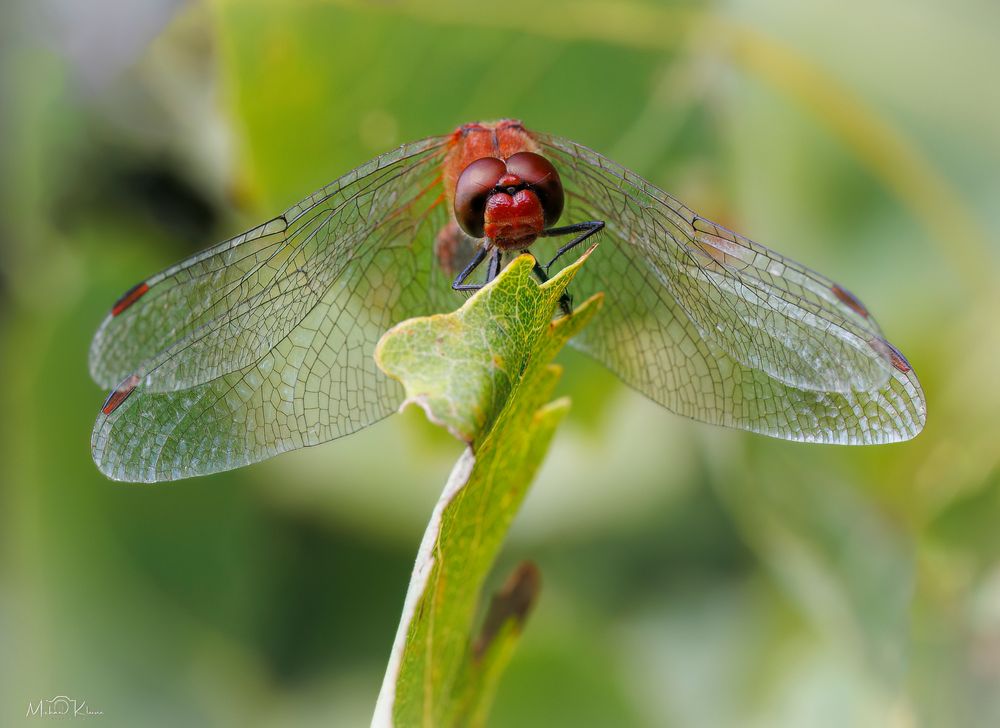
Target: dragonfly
{"type": "Point", "coordinates": [264, 343]}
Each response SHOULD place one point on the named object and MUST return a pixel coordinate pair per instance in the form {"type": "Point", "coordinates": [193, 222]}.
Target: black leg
{"type": "Point", "coordinates": [457, 284]}
{"type": "Point", "coordinates": [565, 300]}
{"type": "Point", "coordinates": [585, 228]}
{"type": "Point", "coordinates": [494, 270]}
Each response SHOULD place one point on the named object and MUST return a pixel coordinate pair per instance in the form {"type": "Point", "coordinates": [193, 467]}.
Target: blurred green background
{"type": "Point", "coordinates": [691, 576]}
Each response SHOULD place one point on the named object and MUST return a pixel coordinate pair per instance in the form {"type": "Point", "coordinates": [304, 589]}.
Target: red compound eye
{"type": "Point", "coordinates": [474, 187]}
{"type": "Point", "coordinates": [539, 174]}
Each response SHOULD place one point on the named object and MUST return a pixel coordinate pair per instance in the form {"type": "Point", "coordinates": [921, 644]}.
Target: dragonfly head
{"type": "Point", "coordinates": [510, 202]}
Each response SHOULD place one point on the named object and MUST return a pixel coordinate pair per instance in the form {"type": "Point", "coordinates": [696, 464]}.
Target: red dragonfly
{"type": "Point", "coordinates": [264, 343]}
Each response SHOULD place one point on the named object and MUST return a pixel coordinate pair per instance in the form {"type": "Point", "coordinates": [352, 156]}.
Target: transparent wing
{"type": "Point", "coordinates": [719, 328]}
{"type": "Point", "coordinates": [265, 342]}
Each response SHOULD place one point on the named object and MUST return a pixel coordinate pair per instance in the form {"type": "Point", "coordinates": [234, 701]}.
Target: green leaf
{"type": "Point", "coordinates": [485, 373]}
{"type": "Point", "coordinates": [461, 367]}
{"type": "Point", "coordinates": [491, 652]}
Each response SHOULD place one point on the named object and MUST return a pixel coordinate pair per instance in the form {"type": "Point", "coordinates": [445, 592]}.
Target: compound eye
{"type": "Point", "coordinates": [473, 189]}
{"type": "Point", "coordinates": [539, 174]}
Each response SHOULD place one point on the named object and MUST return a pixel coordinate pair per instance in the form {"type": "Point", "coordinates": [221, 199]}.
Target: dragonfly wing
{"type": "Point", "coordinates": [264, 343]}
{"type": "Point", "coordinates": [720, 328]}
{"type": "Point", "coordinates": [223, 308]}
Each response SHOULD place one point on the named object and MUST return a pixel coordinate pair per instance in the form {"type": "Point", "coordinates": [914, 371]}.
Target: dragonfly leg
{"type": "Point", "coordinates": [459, 283]}
{"type": "Point", "coordinates": [494, 270]}
{"type": "Point", "coordinates": [565, 300]}
{"type": "Point", "coordinates": [586, 229]}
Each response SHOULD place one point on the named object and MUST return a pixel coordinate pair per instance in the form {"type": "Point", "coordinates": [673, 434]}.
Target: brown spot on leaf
{"type": "Point", "coordinates": [514, 601]}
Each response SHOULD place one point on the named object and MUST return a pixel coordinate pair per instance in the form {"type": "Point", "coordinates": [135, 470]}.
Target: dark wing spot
{"type": "Point", "coordinates": [130, 296]}
{"type": "Point", "coordinates": [850, 300]}
{"type": "Point", "coordinates": [898, 360]}
{"type": "Point", "coordinates": [894, 355]}
{"type": "Point", "coordinates": [119, 394]}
